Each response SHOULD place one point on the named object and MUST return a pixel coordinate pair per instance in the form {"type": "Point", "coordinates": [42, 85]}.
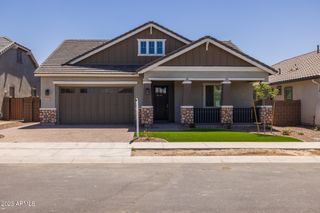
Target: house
{"type": "Point", "coordinates": [298, 78]}
{"type": "Point", "coordinates": [173, 78]}
{"type": "Point", "coordinates": [17, 66]}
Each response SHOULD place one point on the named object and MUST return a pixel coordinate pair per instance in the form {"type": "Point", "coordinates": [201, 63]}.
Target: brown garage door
{"type": "Point", "coordinates": [96, 105]}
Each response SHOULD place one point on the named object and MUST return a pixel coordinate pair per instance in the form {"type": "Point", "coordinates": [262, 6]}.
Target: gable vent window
{"type": "Point", "coordinates": [151, 47]}
{"type": "Point", "coordinates": [19, 56]}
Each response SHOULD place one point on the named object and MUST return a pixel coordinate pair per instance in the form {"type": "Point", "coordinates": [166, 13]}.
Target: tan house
{"type": "Point", "coordinates": [17, 66]}
{"type": "Point", "coordinates": [298, 78]}
{"type": "Point", "coordinates": [175, 80]}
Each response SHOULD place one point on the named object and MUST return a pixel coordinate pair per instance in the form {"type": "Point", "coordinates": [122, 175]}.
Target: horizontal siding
{"type": "Point", "coordinates": [214, 56]}
{"type": "Point", "coordinates": [126, 51]}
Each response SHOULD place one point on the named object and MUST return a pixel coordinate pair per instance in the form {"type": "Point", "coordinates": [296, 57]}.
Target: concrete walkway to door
{"type": "Point", "coordinates": [35, 132]}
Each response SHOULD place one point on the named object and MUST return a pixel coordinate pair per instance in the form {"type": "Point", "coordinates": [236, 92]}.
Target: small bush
{"type": "Point", "coordinates": [286, 132]}
{"type": "Point", "coordinates": [317, 128]}
{"type": "Point", "coordinates": [300, 133]}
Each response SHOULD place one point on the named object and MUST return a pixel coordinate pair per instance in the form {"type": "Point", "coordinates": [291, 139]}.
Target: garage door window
{"type": "Point", "coordinates": [67, 90]}
{"type": "Point", "coordinates": [106, 90]}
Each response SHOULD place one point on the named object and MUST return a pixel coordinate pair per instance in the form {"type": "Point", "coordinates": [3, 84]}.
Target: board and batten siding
{"type": "Point", "coordinates": [201, 56]}
{"type": "Point", "coordinates": [126, 51]}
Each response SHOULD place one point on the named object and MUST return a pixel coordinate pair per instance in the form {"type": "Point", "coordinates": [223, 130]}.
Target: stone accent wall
{"type": "Point", "coordinates": [266, 114]}
{"type": "Point", "coordinates": [226, 114]}
{"type": "Point", "coordinates": [146, 115]}
{"type": "Point", "coordinates": [187, 115]}
{"type": "Point", "coordinates": [48, 116]}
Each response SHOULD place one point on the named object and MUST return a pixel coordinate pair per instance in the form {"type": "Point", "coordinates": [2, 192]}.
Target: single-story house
{"type": "Point", "coordinates": [298, 78]}
{"type": "Point", "coordinates": [173, 78]}
{"type": "Point", "coordinates": [17, 66]}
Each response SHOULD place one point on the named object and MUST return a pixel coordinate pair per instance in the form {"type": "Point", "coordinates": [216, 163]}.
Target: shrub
{"type": "Point", "coordinates": [286, 132]}
{"type": "Point", "coordinates": [300, 133]}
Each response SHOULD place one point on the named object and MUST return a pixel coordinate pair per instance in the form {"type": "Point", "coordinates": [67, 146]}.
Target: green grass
{"type": "Point", "coordinates": [206, 135]}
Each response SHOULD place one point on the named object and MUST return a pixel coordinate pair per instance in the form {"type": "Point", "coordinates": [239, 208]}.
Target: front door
{"type": "Point", "coordinates": [161, 102]}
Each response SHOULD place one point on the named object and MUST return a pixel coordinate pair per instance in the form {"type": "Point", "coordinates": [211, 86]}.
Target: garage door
{"type": "Point", "coordinates": [96, 105]}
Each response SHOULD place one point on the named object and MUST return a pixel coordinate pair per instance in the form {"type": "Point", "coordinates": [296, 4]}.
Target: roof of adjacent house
{"type": "Point", "coordinates": [302, 67]}
{"type": "Point", "coordinates": [6, 44]}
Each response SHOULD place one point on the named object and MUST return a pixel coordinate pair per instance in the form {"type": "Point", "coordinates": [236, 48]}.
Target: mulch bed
{"type": "Point", "coordinates": [225, 152]}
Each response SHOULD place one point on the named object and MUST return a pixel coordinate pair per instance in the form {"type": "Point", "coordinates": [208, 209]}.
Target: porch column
{"type": "Point", "coordinates": [226, 112]}
{"type": "Point", "coordinates": [186, 109]}
{"type": "Point", "coordinates": [146, 111]}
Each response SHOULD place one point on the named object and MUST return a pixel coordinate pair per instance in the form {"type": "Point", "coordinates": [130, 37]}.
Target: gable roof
{"type": "Point", "coordinates": [127, 35]}
{"type": "Point", "coordinates": [6, 44]}
{"type": "Point", "coordinates": [223, 45]}
{"type": "Point", "coordinates": [70, 49]}
{"type": "Point", "coordinates": [302, 67]}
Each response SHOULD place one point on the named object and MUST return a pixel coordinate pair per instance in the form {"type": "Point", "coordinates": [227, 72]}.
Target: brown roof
{"type": "Point", "coordinates": [306, 66]}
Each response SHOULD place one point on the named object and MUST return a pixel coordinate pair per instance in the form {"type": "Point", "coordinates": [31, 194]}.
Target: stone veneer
{"type": "Point", "coordinates": [226, 114]}
{"type": "Point", "coordinates": [146, 115]}
{"type": "Point", "coordinates": [266, 114]}
{"type": "Point", "coordinates": [48, 116]}
{"type": "Point", "coordinates": [187, 115]}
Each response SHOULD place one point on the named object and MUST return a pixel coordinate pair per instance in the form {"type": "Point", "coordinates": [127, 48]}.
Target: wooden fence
{"type": "Point", "coordinates": [287, 113]}
{"type": "Point", "coordinates": [26, 109]}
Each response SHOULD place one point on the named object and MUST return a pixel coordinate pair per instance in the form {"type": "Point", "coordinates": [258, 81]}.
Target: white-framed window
{"type": "Point", "coordinates": [151, 47]}
{"type": "Point", "coordinates": [212, 95]}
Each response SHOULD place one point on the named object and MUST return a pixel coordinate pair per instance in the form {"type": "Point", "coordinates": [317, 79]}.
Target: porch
{"type": "Point", "coordinates": [191, 101]}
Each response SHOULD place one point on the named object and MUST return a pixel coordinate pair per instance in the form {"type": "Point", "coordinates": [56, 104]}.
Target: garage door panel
{"type": "Point", "coordinates": [101, 107]}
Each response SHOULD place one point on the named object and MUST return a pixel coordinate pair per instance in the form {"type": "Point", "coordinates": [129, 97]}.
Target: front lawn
{"type": "Point", "coordinates": [202, 135]}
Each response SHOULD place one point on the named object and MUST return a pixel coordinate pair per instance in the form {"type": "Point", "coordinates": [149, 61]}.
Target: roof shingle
{"type": "Point", "coordinates": [301, 67]}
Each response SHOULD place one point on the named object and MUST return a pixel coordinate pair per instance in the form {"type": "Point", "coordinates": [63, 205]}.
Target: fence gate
{"type": "Point", "coordinates": [16, 109]}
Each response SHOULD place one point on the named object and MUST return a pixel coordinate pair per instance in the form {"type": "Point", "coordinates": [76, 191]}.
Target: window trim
{"type": "Point", "coordinates": [205, 95]}
{"type": "Point", "coordinates": [155, 47]}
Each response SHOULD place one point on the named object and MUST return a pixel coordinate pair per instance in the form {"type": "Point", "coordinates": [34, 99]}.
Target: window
{"type": "Point", "coordinates": [12, 92]}
{"type": "Point", "coordinates": [212, 95]}
{"type": "Point", "coordinates": [288, 93]}
{"type": "Point", "coordinates": [67, 90]}
{"type": "Point", "coordinates": [19, 56]}
{"type": "Point", "coordinates": [279, 88]}
{"type": "Point", "coordinates": [151, 47]}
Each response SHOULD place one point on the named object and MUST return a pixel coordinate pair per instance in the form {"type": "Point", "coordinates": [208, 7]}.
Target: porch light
{"type": "Point", "coordinates": [147, 91]}
{"type": "Point", "coordinates": [227, 81]}
{"type": "Point", "coordinates": [47, 92]}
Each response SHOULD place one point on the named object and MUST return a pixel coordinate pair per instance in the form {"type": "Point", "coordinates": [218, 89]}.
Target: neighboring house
{"type": "Point", "coordinates": [298, 78]}
{"type": "Point", "coordinates": [97, 81]}
{"type": "Point", "coordinates": [17, 66]}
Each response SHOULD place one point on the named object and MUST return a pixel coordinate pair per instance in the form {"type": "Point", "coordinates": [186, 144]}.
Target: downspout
{"type": "Point", "coordinates": [317, 112]}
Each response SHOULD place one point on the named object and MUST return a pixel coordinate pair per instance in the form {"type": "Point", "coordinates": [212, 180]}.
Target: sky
{"type": "Point", "coordinates": [268, 30]}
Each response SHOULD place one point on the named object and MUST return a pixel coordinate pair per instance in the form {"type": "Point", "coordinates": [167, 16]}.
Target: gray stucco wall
{"type": "Point", "coordinates": [19, 76]}
{"type": "Point", "coordinates": [308, 93]}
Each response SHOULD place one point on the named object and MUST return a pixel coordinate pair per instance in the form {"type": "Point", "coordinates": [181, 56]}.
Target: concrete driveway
{"type": "Point", "coordinates": [68, 133]}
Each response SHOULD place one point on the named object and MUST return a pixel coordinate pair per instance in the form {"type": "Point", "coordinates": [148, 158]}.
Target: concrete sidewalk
{"type": "Point", "coordinates": [51, 153]}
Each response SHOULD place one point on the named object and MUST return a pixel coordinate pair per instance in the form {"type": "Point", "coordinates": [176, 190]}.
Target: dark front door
{"type": "Point", "coordinates": [161, 102]}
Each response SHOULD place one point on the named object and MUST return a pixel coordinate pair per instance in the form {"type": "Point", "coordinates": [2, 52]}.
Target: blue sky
{"type": "Point", "coordinates": [269, 30]}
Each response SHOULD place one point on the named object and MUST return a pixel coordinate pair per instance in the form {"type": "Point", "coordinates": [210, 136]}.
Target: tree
{"type": "Point", "coordinates": [263, 92]}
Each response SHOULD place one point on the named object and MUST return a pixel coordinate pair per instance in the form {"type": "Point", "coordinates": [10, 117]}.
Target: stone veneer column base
{"type": "Point", "coordinates": [48, 115]}
{"type": "Point", "coordinates": [265, 114]}
{"type": "Point", "coordinates": [226, 115]}
{"type": "Point", "coordinates": [187, 115]}
{"type": "Point", "coordinates": [146, 115]}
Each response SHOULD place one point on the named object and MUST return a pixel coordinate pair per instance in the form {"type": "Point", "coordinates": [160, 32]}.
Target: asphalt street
{"type": "Point", "coordinates": [160, 188]}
